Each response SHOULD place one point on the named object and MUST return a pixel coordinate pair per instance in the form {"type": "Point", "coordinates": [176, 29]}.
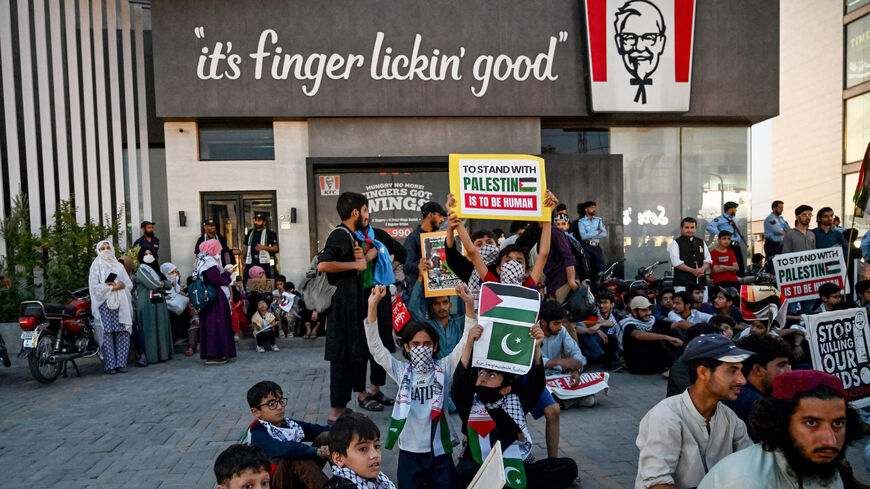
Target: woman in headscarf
{"type": "Point", "coordinates": [151, 287]}
{"type": "Point", "coordinates": [215, 320]}
{"type": "Point", "coordinates": [176, 302]}
{"type": "Point", "coordinates": [136, 335]}
{"type": "Point", "coordinates": [109, 287]}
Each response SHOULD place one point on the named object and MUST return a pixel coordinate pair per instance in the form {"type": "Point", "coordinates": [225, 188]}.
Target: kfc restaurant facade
{"type": "Point", "coordinates": [641, 105]}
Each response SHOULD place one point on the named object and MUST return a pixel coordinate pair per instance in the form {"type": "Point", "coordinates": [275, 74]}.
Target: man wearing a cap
{"type": "Point", "coordinates": [433, 217]}
{"type": "Point", "coordinates": [259, 245]}
{"type": "Point", "coordinates": [682, 437]}
{"type": "Point", "coordinates": [802, 431]}
{"type": "Point", "coordinates": [148, 241]}
{"type": "Point", "coordinates": [209, 231]}
{"type": "Point", "coordinates": [650, 345]}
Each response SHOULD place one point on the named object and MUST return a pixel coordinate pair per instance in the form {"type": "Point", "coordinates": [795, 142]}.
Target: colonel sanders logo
{"type": "Point", "coordinates": [640, 54]}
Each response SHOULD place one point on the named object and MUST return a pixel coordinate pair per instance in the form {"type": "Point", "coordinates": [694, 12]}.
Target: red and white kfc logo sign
{"type": "Point", "coordinates": [640, 54]}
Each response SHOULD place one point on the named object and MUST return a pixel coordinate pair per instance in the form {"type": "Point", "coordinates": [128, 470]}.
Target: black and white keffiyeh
{"type": "Point", "coordinates": [489, 253]}
{"type": "Point", "coordinates": [381, 482]}
{"type": "Point", "coordinates": [512, 272]}
{"type": "Point", "coordinates": [646, 326]}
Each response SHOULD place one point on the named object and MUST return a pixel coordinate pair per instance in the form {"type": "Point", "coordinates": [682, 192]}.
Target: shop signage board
{"type": "Point", "coordinates": [499, 187]}
{"type": "Point", "coordinates": [640, 54]}
{"type": "Point", "coordinates": [799, 274]}
{"type": "Point", "coordinates": [839, 346]}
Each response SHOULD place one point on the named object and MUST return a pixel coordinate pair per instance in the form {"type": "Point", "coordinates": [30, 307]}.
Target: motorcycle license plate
{"type": "Point", "coordinates": [27, 339]}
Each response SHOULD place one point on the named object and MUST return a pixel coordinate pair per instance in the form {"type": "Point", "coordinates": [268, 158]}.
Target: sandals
{"type": "Point", "coordinates": [369, 403]}
{"type": "Point", "coordinates": [383, 399]}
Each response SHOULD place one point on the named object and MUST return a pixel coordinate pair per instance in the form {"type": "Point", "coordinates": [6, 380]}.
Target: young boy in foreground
{"type": "Point", "coordinates": [281, 439]}
{"type": "Point", "coordinates": [242, 467]}
{"type": "Point", "coordinates": [355, 453]}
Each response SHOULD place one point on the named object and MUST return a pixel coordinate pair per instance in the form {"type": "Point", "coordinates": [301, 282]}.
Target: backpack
{"type": "Point", "coordinates": [201, 294]}
{"type": "Point", "coordinates": [315, 287]}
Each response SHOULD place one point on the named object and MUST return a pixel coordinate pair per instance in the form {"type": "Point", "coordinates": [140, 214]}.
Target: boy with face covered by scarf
{"type": "Point", "coordinates": [418, 420]}
{"type": "Point", "coordinates": [493, 408]}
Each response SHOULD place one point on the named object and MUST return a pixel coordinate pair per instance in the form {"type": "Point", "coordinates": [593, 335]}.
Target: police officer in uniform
{"type": "Point", "coordinates": [775, 228]}
{"type": "Point", "coordinates": [591, 230]}
{"type": "Point", "coordinates": [726, 222]}
{"type": "Point", "coordinates": [259, 246]}
{"type": "Point", "coordinates": [209, 231]}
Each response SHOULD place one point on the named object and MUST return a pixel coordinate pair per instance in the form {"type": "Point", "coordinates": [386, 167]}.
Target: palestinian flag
{"type": "Point", "coordinates": [528, 184]}
{"type": "Point", "coordinates": [509, 302]}
{"type": "Point", "coordinates": [759, 302]}
{"type": "Point", "coordinates": [862, 191]}
{"type": "Point", "coordinates": [833, 268]}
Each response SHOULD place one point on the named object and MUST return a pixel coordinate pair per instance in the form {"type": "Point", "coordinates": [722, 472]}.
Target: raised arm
{"type": "Point", "coordinates": [546, 235]}
{"type": "Point", "coordinates": [376, 347]}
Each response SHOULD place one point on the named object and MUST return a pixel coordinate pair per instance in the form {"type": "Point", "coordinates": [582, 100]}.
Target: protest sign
{"type": "Point", "coordinates": [440, 279]}
{"type": "Point", "coordinates": [401, 316]}
{"type": "Point", "coordinates": [561, 387]}
{"type": "Point", "coordinates": [507, 314]}
{"type": "Point", "coordinates": [264, 285]}
{"type": "Point", "coordinates": [799, 274]}
{"type": "Point", "coordinates": [839, 346]}
{"type": "Point", "coordinates": [499, 187]}
{"type": "Point", "coordinates": [490, 475]}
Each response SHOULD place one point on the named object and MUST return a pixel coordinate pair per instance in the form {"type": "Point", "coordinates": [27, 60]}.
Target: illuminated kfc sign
{"type": "Point", "coordinates": [640, 54]}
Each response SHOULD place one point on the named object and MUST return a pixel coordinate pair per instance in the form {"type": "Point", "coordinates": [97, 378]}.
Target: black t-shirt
{"type": "Point", "coordinates": [339, 247]}
{"type": "Point", "coordinates": [271, 240]}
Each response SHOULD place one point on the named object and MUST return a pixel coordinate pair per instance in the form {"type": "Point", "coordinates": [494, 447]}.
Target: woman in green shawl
{"type": "Point", "coordinates": [151, 309]}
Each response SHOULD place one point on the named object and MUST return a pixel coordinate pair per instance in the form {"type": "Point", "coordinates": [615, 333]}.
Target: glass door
{"type": "Point", "coordinates": [234, 214]}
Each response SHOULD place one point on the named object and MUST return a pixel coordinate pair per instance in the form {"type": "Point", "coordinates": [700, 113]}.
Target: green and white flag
{"type": "Point", "coordinates": [507, 313]}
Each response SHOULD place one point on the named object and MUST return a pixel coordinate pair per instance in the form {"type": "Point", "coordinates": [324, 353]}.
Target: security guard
{"type": "Point", "coordinates": [259, 246]}
{"type": "Point", "coordinates": [775, 228]}
{"type": "Point", "coordinates": [726, 222]}
{"type": "Point", "coordinates": [209, 231]}
{"type": "Point", "coordinates": [591, 230]}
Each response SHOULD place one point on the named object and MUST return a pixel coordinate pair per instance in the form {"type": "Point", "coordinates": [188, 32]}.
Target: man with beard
{"type": "Point", "coordinates": [209, 231]}
{"type": "Point", "coordinates": [259, 245]}
{"type": "Point", "coordinates": [802, 430]}
{"type": "Point", "coordinates": [683, 436]}
{"type": "Point", "coordinates": [640, 41]}
{"type": "Point", "coordinates": [148, 241]}
{"type": "Point", "coordinates": [343, 259]}
{"type": "Point", "coordinates": [775, 228]}
{"type": "Point", "coordinates": [650, 345]}
{"type": "Point", "coordinates": [800, 238]}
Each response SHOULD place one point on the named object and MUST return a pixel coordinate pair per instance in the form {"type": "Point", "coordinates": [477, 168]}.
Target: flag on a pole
{"type": "Point", "coordinates": [507, 314]}
{"type": "Point", "coordinates": [862, 191]}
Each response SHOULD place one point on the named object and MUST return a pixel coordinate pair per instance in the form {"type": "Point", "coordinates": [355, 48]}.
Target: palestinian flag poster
{"type": "Point", "coordinates": [800, 274]}
{"type": "Point", "coordinates": [507, 314]}
{"type": "Point", "coordinates": [499, 187]}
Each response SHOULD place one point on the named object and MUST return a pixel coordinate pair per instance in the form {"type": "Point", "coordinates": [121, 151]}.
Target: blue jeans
{"type": "Point", "coordinates": [591, 345]}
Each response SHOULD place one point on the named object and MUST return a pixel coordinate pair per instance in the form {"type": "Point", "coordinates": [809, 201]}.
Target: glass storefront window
{"type": "Point", "coordinates": [564, 141]}
{"type": "Point", "coordinates": [715, 170]}
{"type": "Point", "coordinates": [858, 51]}
{"type": "Point", "coordinates": [651, 192]}
{"type": "Point", "coordinates": [857, 127]}
{"type": "Point", "coordinates": [232, 141]}
{"type": "Point", "coordinates": [852, 5]}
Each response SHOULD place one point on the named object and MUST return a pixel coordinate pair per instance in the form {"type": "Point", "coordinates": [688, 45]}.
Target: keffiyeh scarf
{"type": "Point", "coordinates": [512, 272]}
{"type": "Point", "coordinates": [381, 482]}
{"type": "Point", "coordinates": [480, 426]}
{"type": "Point", "coordinates": [293, 432]}
{"type": "Point", "coordinates": [422, 364]}
{"type": "Point", "coordinates": [641, 325]}
{"type": "Point", "coordinates": [489, 253]}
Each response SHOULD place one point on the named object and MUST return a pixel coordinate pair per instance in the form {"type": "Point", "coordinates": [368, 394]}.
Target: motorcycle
{"type": "Point", "coordinates": [644, 281]}
{"type": "Point", "coordinates": [53, 335]}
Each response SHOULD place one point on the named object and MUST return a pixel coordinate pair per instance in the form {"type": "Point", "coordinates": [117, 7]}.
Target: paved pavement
{"type": "Point", "coordinates": [161, 427]}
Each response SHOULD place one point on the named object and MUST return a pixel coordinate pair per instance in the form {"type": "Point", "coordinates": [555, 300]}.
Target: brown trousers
{"type": "Point", "coordinates": [301, 474]}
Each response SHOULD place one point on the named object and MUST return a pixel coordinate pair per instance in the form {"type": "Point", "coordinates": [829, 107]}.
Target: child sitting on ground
{"type": "Point", "coordinates": [242, 467]}
{"type": "Point", "coordinates": [264, 323]}
{"type": "Point", "coordinates": [418, 420]}
{"type": "Point", "coordinates": [355, 453]}
{"type": "Point", "coordinates": [296, 465]}
{"type": "Point", "coordinates": [285, 307]}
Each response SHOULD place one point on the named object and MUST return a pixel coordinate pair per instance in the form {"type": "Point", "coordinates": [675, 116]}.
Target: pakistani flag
{"type": "Point", "coordinates": [507, 313]}
{"type": "Point", "coordinates": [528, 184]}
{"type": "Point", "coordinates": [514, 470]}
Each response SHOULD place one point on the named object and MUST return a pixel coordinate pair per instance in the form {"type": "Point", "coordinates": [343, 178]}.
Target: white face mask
{"type": "Point", "coordinates": [148, 259]}
{"type": "Point", "coordinates": [106, 254]}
